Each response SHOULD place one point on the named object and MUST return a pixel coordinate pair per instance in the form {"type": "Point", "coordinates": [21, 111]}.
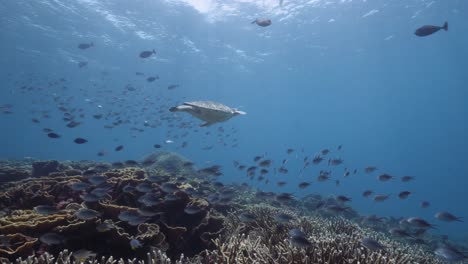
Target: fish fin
{"type": "Point", "coordinates": [240, 112]}
{"type": "Point", "coordinates": [445, 26]}
{"type": "Point", "coordinates": [173, 109]}
{"type": "Point", "coordinates": [253, 22]}
{"type": "Point", "coordinates": [154, 52]}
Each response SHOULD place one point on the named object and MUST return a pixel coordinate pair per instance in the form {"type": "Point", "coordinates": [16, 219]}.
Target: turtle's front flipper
{"type": "Point", "coordinates": [180, 108]}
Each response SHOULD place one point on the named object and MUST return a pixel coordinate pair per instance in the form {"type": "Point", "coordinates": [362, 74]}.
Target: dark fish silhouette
{"type": "Point", "coordinates": [262, 22]}
{"type": "Point", "coordinates": [82, 64]}
{"type": "Point", "coordinates": [119, 148]}
{"type": "Point", "coordinates": [53, 135]}
{"type": "Point", "coordinates": [152, 79]}
{"type": "Point", "coordinates": [147, 53]}
{"type": "Point", "coordinates": [429, 30]}
{"type": "Point", "coordinates": [80, 140]}
{"type": "Point", "coordinates": [84, 46]}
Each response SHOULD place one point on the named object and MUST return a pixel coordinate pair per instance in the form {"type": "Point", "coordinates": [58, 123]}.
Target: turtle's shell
{"type": "Point", "coordinates": [210, 111]}
{"type": "Point", "coordinates": [210, 105]}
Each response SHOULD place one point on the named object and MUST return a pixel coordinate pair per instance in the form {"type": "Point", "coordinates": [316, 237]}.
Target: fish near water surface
{"type": "Point", "coordinates": [429, 30]}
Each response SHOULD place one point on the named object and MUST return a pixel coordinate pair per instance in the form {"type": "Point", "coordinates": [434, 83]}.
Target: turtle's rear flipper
{"type": "Point", "coordinates": [206, 124]}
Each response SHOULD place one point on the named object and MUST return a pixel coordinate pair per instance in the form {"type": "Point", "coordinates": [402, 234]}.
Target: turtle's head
{"type": "Point", "coordinates": [238, 112]}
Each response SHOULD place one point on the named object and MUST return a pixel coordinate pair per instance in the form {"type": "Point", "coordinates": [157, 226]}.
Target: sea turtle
{"type": "Point", "coordinates": [208, 111]}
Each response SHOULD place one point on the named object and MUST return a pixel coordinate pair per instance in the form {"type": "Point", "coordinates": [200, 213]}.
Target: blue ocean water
{"type": "Point", "coordinates": [324, 74]}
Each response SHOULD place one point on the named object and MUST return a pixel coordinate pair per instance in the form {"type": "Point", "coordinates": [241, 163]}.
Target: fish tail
{"type": "Point", "coordinates": [445, 26]}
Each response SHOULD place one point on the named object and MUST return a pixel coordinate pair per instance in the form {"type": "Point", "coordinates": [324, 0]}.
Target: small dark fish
{"type": "Point", "coordinates": [283, 170]}
{"type": "Point", "coordinates": [82, 255]}
{"type": "Point", "coordinates": [192, 209]}
{"type": "Point", "coordinates": [144, 187]}
{"type": "Point", "coordinates": [128, 188]}
{"type": "Point", "coordinates": [303, 185]}
{"type": "Point", "coordinates": [367, 193]}
{"type": "Point", "coordinates": [147, 53]}
{"type": "Point", "coordinates": [429, 30]}
{"type": "Point", "coordinates": [370, 169]}
{"type": "Point", "coordinates": [283, 218]}
{"type": "Point", "coordinates": [157, 146]}
{"type": "Point", "coordinates": [73, 124]}
{"type": "Point", "coordinates": [51, 239]}
{"type": "Point", "coordinates": [381, 197]}
{"type": "Point", "coordinates": [419, 222]}
{"type": "Point", "coordinates": [290, 151]}
{"type": "Point", "coordinates": [399, 232]}
{"type": "Point", "coordinates": [247, 217]}
{"type": "Point", "coordinates": [372, 219]}
{"type": "Point", "coordinates": [300, 241]}
{"type": "Point", "coordinates": [284, 197]}
{"type": "Point", "coordinates": [257, 158]}
{"type": "Point", "coordinates": [325, 152]}
{"type": "Point", "coordinates": [333, 208]}
{"type": "Point", "coordinates": [447, 217]}
{"type": "Point", "coordinates": [296, 232]}
{"type": "Point", "coordinates": [404, 194]}
{"type": "Point", "coordinates": [97, 179]}
{"type": "Point", "coordinates": [384, 177]}
{"type": "Point", "coordinates": [265, 163]}
{"type": "Point", "coordinates": [335, 162]}
{"type": "Point", "coordinates": [281, 183]}
{"type": "Point", "coordinates": [152, 79]}
{"type": "Point", "coordinates": [131, 163]}
{"type": "Point", "coordinates": [343, 199]}
{"type": "Point", "coordinates": [80, 140]}
{"type": "Point", "coordinates": [172, 86]}
{"type": "Point", "coordinates": [372, 244]}
{"type": "Point", "coordinates": [53, 135]}
{"type": "Point", "coordinates": [119, 148]}
{"type": "Point", "coordinates": [35, 120]}
{"type": "Point", "coordinates": [450, 254]}
{"type": "Point", "coordinates": [407, 178]}
{"type": "Point", "coordinates": [45, 209]}
{"type": "Point", "coordinates": [79, 186]}
{"type": "Point", "coordinates": [135, 244]}
{"type": "Point", "coordinates": [425, 204]}
{"type": "Point", "coordinates": [82, 64]}
{"type": "Point", "coordinates": [262, 22]}
{"type": "Point", "coordinates": [317, 159]}
{"type": "Point", "coordinates": [169, 187]}
{"type": "Point", "coordinates": [84, 46]}
{"type": "Point", "coordinates": [86, 214]}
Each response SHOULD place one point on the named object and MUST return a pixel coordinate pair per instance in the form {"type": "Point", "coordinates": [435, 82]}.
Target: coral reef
{"type": "Point", "coordinates": [44, 168]}
{"type": "Point", "coordinates": [168, 163]}
{"type": "Point", "coordinates": [8, 173]}
{"type": "Point", "coordinates": [162, 211]}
